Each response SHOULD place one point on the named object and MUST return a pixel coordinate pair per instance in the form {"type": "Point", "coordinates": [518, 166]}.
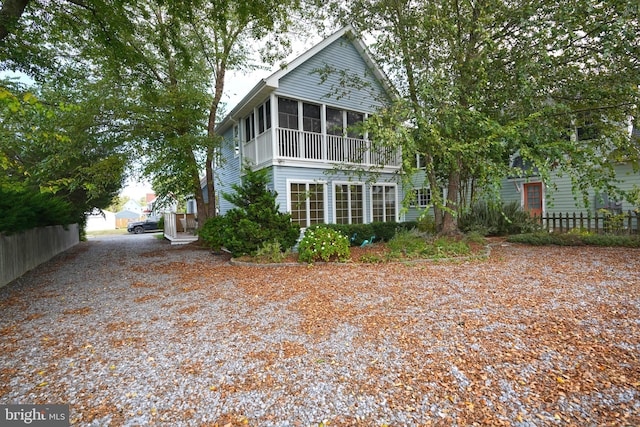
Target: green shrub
{"type": "Point", "coordinates": [427, 224]}
{"type": "Point", "coordinates": [23, 210]}
{"type": "Point", "coordinates": [475, 237]}
{"type": "Point", "coordinates": [271, 252]}
{"type": "Point", "coordinates": [358, 233]}
{"type": "Point", "coordinates": [323, 243]}
{"type": "Point", "coordinates": [384, 230]}
{"type": "Point", "coordinates": [212, 231]}
{"type": "Point", "coordinates": [257, 217]}
{"type": "Point", "coordinates": [412, 244]}
{"type": "Point", "coordinates": [611, 240]}
{"type": "Point", "coordinates": [576, 239]}
{"type": "Point", "coordinates": [408, 243]}
{"type": "Point", "coordinates": [496, 220]}
{"type": "Point", "coordinates": [446, 247]}
{"type": "Point", "coordinates": [543, 238]}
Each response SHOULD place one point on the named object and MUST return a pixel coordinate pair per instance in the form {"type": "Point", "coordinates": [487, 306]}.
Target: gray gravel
{"type": "Point", "coordinates": [117, 328]}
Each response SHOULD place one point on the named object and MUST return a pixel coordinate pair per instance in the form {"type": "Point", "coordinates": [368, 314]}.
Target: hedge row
{"type": "Point", "coordinates": [379, 231]}
{"type": "Point", "coordinates": [23, 210]}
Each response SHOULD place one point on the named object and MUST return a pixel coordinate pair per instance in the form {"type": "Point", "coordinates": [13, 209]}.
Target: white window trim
{"type": "Point", "coordinates": [236, 141]}
{"type": "Point", "coordinates": [384, 214]}
{"type": "Point", "coordinates": [416, 203]}
{"type": "Point", "coordinates": [306, 182]}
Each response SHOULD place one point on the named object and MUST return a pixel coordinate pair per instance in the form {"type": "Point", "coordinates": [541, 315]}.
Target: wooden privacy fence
{"type": "Point", "coordinates": [620, 223]}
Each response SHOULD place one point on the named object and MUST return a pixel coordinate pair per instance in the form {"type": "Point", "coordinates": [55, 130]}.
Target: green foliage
{"type": "Point", "coordinates": [413, 244]}
{"type": "Point", "coordinates": [480, 83]}
{"type": "Point", "coordinates": [324, 244]}
{"type": "Point", "coordinates": [51, 146]}
{"type": "Point", "coordinates": [543, 238]}
{"type": "Point", "coordinates": [475, 237]}
{"type": "Point", "coordinates": [257, 218]}
{"type": "Point", "coordinates": [408, 243]}
{"type": "Point", "coordinates": [271, 252]}
{"type": "Point", "coordinates": [427, 224]}
{"type": "Point", "coordinates": [212, 231]}
{"type": "Point", "coordinates": [359, 232]}
{"type": "Point", "coordinates": [496, 220]}
{"type": "Point", "coordinates": [372, 259]}
{"type": "Point", "coordinates": [611, 240]}
{"type": "Point", "coordinates": [382, 231]}
{"type": "Point", "coordinates": [613, 223]}
{"type": "Point", "coordinates": [447, 247]}
{"type": "Point", "coordinates": [25, 209]}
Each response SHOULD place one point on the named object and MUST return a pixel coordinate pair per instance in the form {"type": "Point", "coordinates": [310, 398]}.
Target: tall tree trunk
{"type": "Point", "coordinates": [450, 219]}
{"type": "Point", "coordinates": [10, 12]}
{"type": "Point", "coordinates": [211, 208]}
{"type": "Point", "coordinates": [436, 194]}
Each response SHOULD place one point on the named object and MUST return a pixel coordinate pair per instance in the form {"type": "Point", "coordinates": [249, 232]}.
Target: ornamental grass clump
{"type": "Point", "coordinates": [323, 244]}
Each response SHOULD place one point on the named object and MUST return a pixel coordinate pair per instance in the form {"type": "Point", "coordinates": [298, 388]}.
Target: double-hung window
{"type": "Point", "coordinates": [422, 197]}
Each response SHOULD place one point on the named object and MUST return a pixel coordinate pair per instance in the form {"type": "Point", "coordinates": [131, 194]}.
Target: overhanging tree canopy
{"type": "Point", "coordinates": [482, 80]}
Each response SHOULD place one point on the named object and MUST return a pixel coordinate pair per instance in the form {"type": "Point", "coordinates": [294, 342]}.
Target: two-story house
{"type": "Point", "coordinates": [301, 124]}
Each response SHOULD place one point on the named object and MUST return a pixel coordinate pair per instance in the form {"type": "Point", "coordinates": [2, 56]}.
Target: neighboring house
{"type": "Point", "coordinates": [556, 197]}
{"type": "Point", "coordinates": [155, 208]}
{"type": "Point", "coordinates": [97, 221]}
{"type": "Point", "coordinates": [300, 125]}
{"type": "Point", "coordinates": [132, 206]}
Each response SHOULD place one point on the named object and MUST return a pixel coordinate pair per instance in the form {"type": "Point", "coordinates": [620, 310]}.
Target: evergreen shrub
{"type": "Point", "coordinates": [25, 209]}
{"type": "Point", "coordinates": [256, 219]}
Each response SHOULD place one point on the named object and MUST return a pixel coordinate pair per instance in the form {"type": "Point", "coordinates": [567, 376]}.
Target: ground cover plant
{"type": "Point", "coordinates": [576, 237]}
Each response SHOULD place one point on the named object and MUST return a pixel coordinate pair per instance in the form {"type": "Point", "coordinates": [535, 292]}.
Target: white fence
{"type": "Point", "coordinates": [24, 251]}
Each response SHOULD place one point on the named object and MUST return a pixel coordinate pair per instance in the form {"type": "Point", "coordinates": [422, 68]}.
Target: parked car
{"type": "Point", "coordinates": [139, 227]}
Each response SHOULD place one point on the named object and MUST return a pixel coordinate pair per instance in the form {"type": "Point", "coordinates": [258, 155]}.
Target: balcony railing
{"type": "Point", "coordinates": [292, 144]}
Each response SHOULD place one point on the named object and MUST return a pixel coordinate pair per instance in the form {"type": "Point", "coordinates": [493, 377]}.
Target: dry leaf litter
{"type": "Point", "coordinates": [132, 331]}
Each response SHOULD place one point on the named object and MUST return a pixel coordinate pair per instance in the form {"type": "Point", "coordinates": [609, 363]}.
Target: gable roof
{"type": "Point", "coordinates": [271, 83]}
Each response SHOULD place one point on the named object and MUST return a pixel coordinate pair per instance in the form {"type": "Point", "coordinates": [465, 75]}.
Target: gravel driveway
{"type": "Point", "coordinates": [131, 331]}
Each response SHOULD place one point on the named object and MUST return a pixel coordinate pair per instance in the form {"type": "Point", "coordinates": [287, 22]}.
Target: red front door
{"type": "Point", "coordinates": [533, 198]}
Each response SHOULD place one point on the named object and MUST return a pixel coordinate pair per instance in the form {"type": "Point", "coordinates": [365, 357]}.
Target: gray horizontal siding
{"type": "Point", "coordinates": [561, 199]}
{"type": "Point", "coordinates": [305, 83]}
{"type": "Point", "coordinates": [229, 172]}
